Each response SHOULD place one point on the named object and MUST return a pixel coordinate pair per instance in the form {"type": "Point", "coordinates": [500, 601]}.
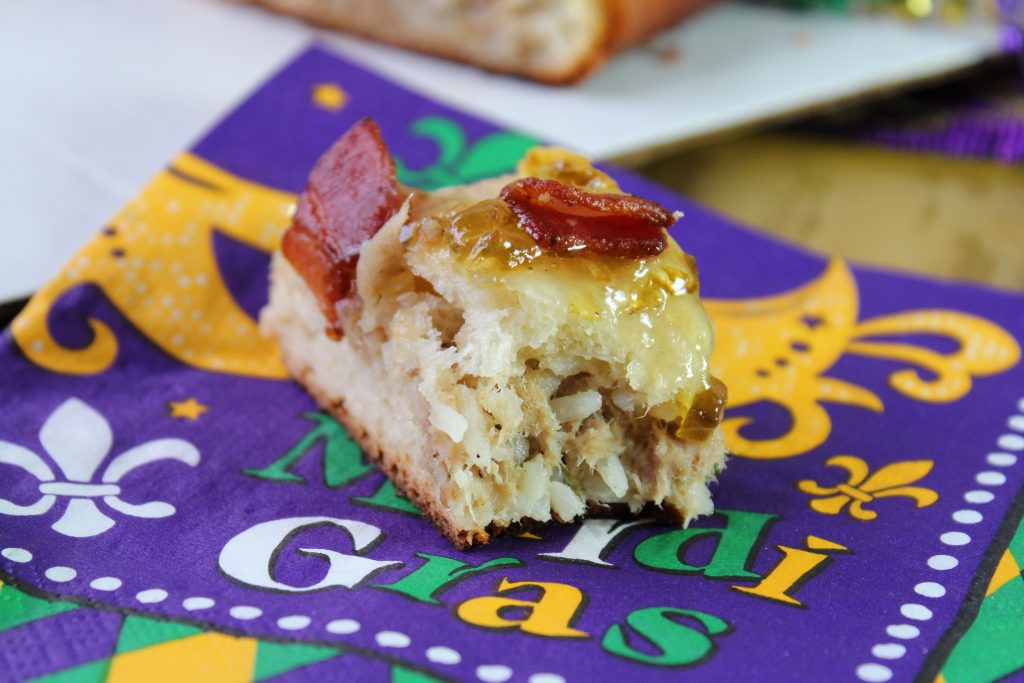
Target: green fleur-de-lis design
{"type": "Point", "coordinates": [861, 489]}
{"type": "Point", "coordinates": [459, 162]}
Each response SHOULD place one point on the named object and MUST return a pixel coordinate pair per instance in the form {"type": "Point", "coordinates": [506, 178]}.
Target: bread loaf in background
{"type": "Point", "coordinates": [553, 41]}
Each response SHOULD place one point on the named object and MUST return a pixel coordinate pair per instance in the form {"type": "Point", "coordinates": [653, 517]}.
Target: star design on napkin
{"type": "Point", "coordinates": [189, 409]}
{"type": "Point", "coordinates": [329, 96]}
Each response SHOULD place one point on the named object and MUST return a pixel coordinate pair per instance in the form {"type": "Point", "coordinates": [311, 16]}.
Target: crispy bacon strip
{"type": "Point", "coordinates": [351, 193]}
{"type": "Point", "coordinates": [566, 219]}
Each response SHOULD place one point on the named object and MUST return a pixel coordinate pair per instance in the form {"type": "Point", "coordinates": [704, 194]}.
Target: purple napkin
{"type": "Point", "coordinates": [173, 508]}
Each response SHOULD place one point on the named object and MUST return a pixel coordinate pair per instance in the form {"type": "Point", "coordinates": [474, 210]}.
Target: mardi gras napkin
{"type": "Point", "coordinates": [173, 508]}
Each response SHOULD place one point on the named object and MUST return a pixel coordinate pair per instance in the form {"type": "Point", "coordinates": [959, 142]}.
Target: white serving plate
{"type": "Point", "coordinates": [98, 96]}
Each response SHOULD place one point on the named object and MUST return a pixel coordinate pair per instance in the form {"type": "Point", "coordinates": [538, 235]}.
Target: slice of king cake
{"type": "Point", "coordinates": [519, 350]}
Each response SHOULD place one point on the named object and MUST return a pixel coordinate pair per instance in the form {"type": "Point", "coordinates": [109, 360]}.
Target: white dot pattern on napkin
{"type": "Point", "coordinates": [1001, 459]}
{"type": "Point", "coordinates": [967, 516]}
{"type": "Point", "coordinates": [930, 589]}
{"type": "Point", "coordinates": [955, 538]}
{"type": "Point", "coordinates": [196, 603]}
{"type": "Point", "coordinates": [105, 583]}
{"type": "Point", "coordinates": [19, 555]}
{"type": "Point", "coordinates": [392, 639]}
{"type": "Point", "coordinates": [60, 574]}
{"type": "Point", "coordinates": [342, 626]}
{"type": "Point", "coordinates": [443, 655]}
{"type": "Point", "coordinates": [991, 478]}
{"type": "Point", "coordinates": [546, 678]}
{"type": "Point", "coordinates": [913, 610]}
{"type": "Point", "coordinates": [889, 650]}
{"type": "Point", "coordinates": [874, 673]}
{"type": "Point", "coordinates": [151, 596]}
{"type": "Point", "coordinates": [1011, 442]}
{"type": "Point", "coordinates": [942, 562]}
{"type": "Point", "coordinates": [903, 631]}
{"type": "Point", "coordinates": [245, 612]}
{"type": "Point", "coordinates": [979, 497]}
{"type": "Point", "coordinates": [294, 622]}
{"type": "Point", "coordinates": [493, 673]}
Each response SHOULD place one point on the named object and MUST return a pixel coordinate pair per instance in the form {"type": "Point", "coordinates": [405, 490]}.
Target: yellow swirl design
{"type": "Point", "coordinates": [37, 343]}
{"type": "Point", "coordinates": [778, 348]}
{"type": "Point", "coordinates": [984, 349]}
{"type": "Point", "coordinates": [156, 264]}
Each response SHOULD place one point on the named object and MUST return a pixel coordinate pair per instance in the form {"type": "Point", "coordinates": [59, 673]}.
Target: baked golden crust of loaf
{"type": "Point", "coordinates": [556, 41]}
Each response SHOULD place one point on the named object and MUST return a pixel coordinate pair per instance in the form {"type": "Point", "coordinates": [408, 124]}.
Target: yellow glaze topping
{"type": "Point", "coordinates": [648, 306]}
{"type": "Point", "coordinates": [555, 163]}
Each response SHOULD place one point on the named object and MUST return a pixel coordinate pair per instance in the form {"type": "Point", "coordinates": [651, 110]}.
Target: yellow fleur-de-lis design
{"type": "Point", "coordinates": [779, 349]}
{"type": "Point", "coordinates": [861, 489]}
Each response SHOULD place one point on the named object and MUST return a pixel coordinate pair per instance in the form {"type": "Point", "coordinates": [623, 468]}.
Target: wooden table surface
{"type": "Point", "coordinates": [913, 211]}
{"type": "Point", "coordinates": [916, 211]}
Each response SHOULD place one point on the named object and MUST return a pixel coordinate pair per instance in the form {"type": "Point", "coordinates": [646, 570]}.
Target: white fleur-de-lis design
{"type": "Point", "coordinates": [78, 439]}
